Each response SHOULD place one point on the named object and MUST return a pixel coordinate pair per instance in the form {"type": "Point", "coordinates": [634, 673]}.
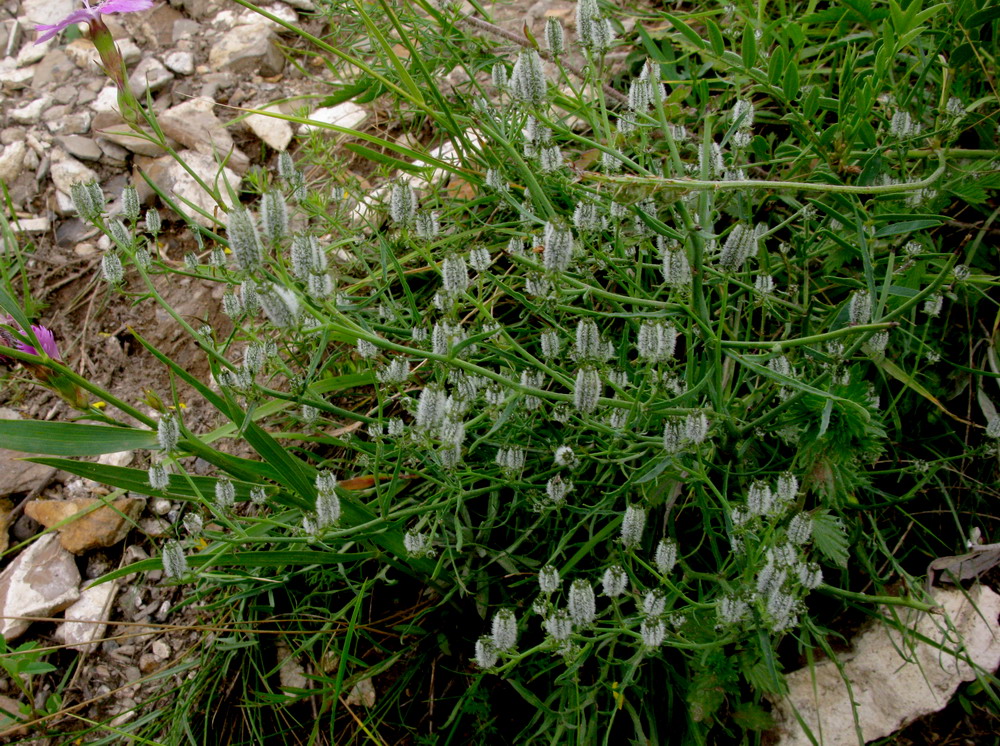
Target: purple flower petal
{"type": "Point", "coordinates": [77, 16]}
{"type": "Point", "coordinates": [43, 334]}
{"type": "Point", "coordinates": [124, 6]}
{"type": "Point", "coordinates": [47, 339]}
{"type": "Point", "coordinates": [89, 14]}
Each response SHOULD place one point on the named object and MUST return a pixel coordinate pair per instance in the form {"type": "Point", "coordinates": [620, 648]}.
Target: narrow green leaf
{"type": "Point", "coordinates": [72, 439]}
{"type": "Point", "coordinates": [776, 67]}
{"type": "Point", "coordinates": [749, 47]}
{"type": "Point", "coordinates": [909, 226]}
{"type": "Point", "coordinates": [686, 31]}
{"type": "Point", "coordinates": [790, 85]}
{"type": "Point", "coordinates": [384, 159]}
{"type": "Point", "coordinates": [347, 92]}
{"type": "Point", "coordinates": [715, 36]}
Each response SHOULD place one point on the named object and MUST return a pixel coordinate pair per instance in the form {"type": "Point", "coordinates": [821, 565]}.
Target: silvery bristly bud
{"type": "Point", "coordinates": [550, 159]}
{"type": "Point", "coordinates": [511, 460]}
{"type": "Point", "coordinates": [557, 488]}
{"type": "Point", "coordinates": [602, 34]}
{"type": "Point", "coordinates": [119, 234]}
{"type": "Point", "coordinates": [403, 204]}
{"type": "Point", "coordinates": [326, 482]}
{"type": "Point", "coordinates": [740, 245]}
{"type": "Point", "coordinates": [764, 285]}
{"type": "Point", "coordinates": [112, 269]}
{"type": "Point", "coordinates": [588, 389]}
{"type": "Point", "coordinates": [431, 408]}
{"type": "Point", "coordinates": [286, 166]}
{"type": "Point", "coordinates": [327, 509]}
{"type": "Point", "coordinates": [495, 180]}
{"type": "Point", "coordinates": [666, 555]}
{"type": "Point", "coordinates": [486, 653]}
{"type": "Point", "coordinates": [175, 564]}
{"type": "Point", "coordinates": [653, 603]}
{"type": "Point", "coordinates": [504, 630]}
{"type": "Point", "coordinates": [454, 275]}
{"type": "Point", "coordinates": [742, 114]}
{"type": "Point", "coordinates": [787, 489]}
{"type": "Point", "coordinates": [397, 371]}
{"type": "Point", "coordinates": [859, 310]}
{"type": "Point", "coordinates": [799, 528]}
{"type": "Point", "coordinates": [615, 581]}
{"type": "Point", "coordinates": [500, 79]}
{"type": "Point", "coordinates": [168, 432]}
{"type": "Point", "coordinates": [301, 255]}
{"type": "Point", "coordinates": [588, 341]}
{"type": "Point", "coordinates": [559, 625]}
{"type": "Point", "coordinates": [676, 268]}
{"type": "Point", "coordinates": [673, 437]}
{"type": "Point", "coordinates": [558, 249]}
{"type": "Point", "coordinates": [153, 222]}
{"type": "Point", "coordinates": [633, 524]}
{"type": "Point", "coordinates": [582, 605]}
{"type": "Point", "coordinates": [550, 344]}
{"type": "Point", "coordinates": [130, 203]}
{"type": "Point", "coordinates": [158, 476]}
{"type": "Point", "coordinates": [760, 499]}
{"type": "Point", "coordinates": [653, 632]}
{"type": "Point", "coordinates": [427, 226]}
{"type": "Point", "coordinates": [279, 303]}
{"type": "Point", "coordinates": [554, 36]}
{"type": "Point", "coordinates": [548, 580]}
{"type": "Point", "coordinates": [415, 543]}
{"type": "Point", "coordinates": [528, 83]}
{"type": "Point", "coordinates": [901, 124]}
{"type": "Point", "coordinates": [593, 30]}
{"type": "Point", "coordinates": [244, 240]}
{"type": "Point", "coordinates": [193, 524]}
{"type": "Point", "coordinates": [274, 216]}
{"type": "Point", "coordinates": [933, 305]}
{"type": "Point", "coordinates": [225, 493]}
{"type": "Point", "coordinates": [640, 93]}
{"type": "Point", "coordinates": [249, 297]}
{"type": "Point", "coordinates": [479, 259]}
{"type": "Point", "coordinates": [696, 428]}
{"type": "Point", "coordinates": [320, 262]}
{"type": "Point", "coordinates": [810, 576]}
{"type": "Point", "coordinates": [731, 610]}
{"type": "Point", "coordinates": [83, 201]}
{"type": "Point", "coordinates": [586, 217]}
{"type": "Point", "coordinates": [565, 456]}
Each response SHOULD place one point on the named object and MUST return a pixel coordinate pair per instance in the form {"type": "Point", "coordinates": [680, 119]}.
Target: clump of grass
{"type": "Point", "coordinates": [633, 396]}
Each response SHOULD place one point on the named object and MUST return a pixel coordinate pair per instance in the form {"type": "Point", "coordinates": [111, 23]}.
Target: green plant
{"type": "Point", "coordinates": [631, 389]}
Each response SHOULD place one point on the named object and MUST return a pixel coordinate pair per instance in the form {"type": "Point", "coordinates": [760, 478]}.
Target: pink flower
{"type": "Point", "coordinates": [88, 14]}
{"type": "Point", "coordinates": [45, 338]}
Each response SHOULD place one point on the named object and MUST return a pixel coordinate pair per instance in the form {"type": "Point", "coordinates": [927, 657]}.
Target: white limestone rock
{"type": "Point", "coordinates": [890, 690]}
{"type": "Point", "coordinates": [41, 581]}
{"type": "Point", "coordinates": [87, 619]}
